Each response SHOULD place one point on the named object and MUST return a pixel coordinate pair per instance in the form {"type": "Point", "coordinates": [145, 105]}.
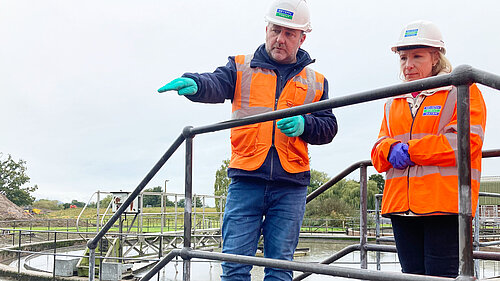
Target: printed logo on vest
{"type": "Point", "coordinates": [432, 110]}
{"type": "Point", "coordinates": [284, 14]}
{"type": "Point", "coordinates": [411, 32]}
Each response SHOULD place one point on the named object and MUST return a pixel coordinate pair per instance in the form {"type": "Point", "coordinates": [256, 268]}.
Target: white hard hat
{"type": "Point", "coordinates": [290, 13]}
{"type": "Point", "coordinates": [420, 33]}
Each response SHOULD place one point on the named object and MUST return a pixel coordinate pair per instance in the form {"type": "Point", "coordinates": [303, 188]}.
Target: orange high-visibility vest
{"type": "Point", "coordinates": [431, 186]}
{"type": "Point", "coordinates": [255, 93]}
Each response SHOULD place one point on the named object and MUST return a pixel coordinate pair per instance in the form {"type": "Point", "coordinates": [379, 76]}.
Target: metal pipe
{"type": "Point", "coordinates": [485, 78]}
{"type": "Point", "coordinates": [19, 253]}
{"type": "Point", "coordinates": [363, 255]}
{"type": "Point", "coordinates": [55, 254]}
{"type": "Point", "coordinates": [336, 179]}
{"type": "Point", "coordinates": [381, 248]}
{"type": "Point", "coordinates": [377, 226]}
{"type": "Point", "coordinates": [476, 241]}
{"type": "Point", "coordinates": [491, 153]}
{"type": "Point", "coordinates": [188, 205]}
{"type": "Point", "coordinates": [385, 92]}
{"type": "Point", "coordinates": [174, 253]}
{"type": "Point", "coordinates": [364, 274]}
{"type": "Point", "coordinates": [98, 226]}
{"type": "Point", "coordinates": [160, 252]}
{"type": "Point", "coordinates": [482, 255]}
{"type": "Point", "coordinates": [466, 268]}
{"type": "Point", "coordinates": [91, 264]}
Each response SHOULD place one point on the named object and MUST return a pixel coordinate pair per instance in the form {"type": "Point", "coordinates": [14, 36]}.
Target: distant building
{"type": "Point", "coordinates": [489, 207]}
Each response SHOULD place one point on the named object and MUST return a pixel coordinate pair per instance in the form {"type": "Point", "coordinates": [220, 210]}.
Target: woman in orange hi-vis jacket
{"type": "Point", "coordinates": [417, 148]}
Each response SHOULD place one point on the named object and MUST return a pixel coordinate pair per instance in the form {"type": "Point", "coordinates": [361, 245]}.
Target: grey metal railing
{"type": "Point", "coordinates": [461, 77]}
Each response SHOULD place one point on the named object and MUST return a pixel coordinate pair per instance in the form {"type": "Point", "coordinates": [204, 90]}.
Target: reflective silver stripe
{"type": "Point", "coordinates": [381, 138]}
{"type": "Point", "coordinates": [396, 173]}
{"type": "Point", "coordinates": [310, 82]}
{"type": "Point", "coordinates": [475, 175]}
{"type": "Point", "coordinates": [478, 130]}
{"type": "Point", "coordinates": [453, 141]}
{"type": "Point", "coordinates": [474, 129]}
{"type": "Point", "coordinates": [249, 111]}
{"type": "Point", "coordinates": [420, 171]}
{"type": "Point", "coordinates": [403, 137]}
{"type": "Point", "coordinates": [418, 136]}
{"type": "Point", "coordinates": [387, 113]}
{"type": "Point", "coordinates": [447, 111]}
{"type": "Point", "coordinates": [246, 80]}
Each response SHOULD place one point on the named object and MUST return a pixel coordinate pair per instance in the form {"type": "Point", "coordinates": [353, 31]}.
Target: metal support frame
{"type": "Point", "coordinates": [363, 222]}
{"type": "Point", "coordinates": [462, 77]}
{"type": "Point", "coordinates": [466, 266]}
{"type": "Point", "coordinates": [324, 269]}
{"type": "Point", "coordinates": [188, 204]}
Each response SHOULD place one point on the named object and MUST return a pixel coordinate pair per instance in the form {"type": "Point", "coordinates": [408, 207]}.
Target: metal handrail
{"type": "Point", "coordinates": [462, 76]}
{"type": "Point", "coordinates": [337, 178]}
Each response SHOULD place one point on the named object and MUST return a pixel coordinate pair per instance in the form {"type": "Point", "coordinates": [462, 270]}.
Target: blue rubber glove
{"type": "Point", "coordinates": [183, 86]}
{"type": "Point", "coordinates": [399, 157]}
{"type": "Point", "coordinates": [291, 126]}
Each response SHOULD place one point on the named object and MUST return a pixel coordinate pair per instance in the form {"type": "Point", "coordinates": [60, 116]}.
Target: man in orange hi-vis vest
{"type": "Point", "coordinates": [417, 148]}
{"type": "Point", "coordinates": [269, 166]}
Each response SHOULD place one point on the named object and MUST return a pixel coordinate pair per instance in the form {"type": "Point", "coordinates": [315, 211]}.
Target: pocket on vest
{"type": "Point", "coordinates": [244, 139]}
{"type": "Point", "coordinates": [297, 151]}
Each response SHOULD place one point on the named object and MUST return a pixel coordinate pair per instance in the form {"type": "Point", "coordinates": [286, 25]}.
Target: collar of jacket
{"type": "Point", "coordinates": [262, 59]}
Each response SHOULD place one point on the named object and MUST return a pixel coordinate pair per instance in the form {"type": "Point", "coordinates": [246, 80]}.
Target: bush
{"type": "Point", "coordinates": [47, 204]}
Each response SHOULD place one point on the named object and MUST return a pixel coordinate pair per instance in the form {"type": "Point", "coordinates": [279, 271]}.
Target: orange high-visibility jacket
{"type": "Point", "coordinates": [431, 186]}
{"type": "Point", "coordinates": [255, 93]}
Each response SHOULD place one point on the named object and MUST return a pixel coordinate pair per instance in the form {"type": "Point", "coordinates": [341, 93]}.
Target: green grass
{"type": "Point", "coordinates": [92, 212]}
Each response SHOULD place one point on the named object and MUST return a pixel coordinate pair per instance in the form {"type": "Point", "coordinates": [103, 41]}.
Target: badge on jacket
{"type": "Point", "coordinates": [432, 110]}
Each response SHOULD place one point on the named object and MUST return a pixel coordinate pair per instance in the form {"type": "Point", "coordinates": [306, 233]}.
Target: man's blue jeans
{"type": "Point", "coordinates": [257, 206]}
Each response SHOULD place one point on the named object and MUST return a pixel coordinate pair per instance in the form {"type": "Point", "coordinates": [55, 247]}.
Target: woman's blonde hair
{"type": "Point", "coordinates": [443, 65]}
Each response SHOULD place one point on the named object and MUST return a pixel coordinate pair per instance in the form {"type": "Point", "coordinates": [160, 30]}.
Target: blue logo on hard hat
{"type": "Point", "coordinates": [284, 14]}
{"type": "Point", "coordinates": [411, 32]}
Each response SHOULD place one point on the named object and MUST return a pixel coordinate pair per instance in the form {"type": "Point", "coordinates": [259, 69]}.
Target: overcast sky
{"type": "Point", "coordinates": [78, 81]}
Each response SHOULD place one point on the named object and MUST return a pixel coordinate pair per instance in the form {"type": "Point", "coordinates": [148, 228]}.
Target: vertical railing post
{"type": "Point", "coordinates": [91, 264]}
{"type": "Point", "coordinates": [55, 254]}
{"type": "Point", "coordinates": [193, 220]}
{"type": "Point", "coordinates": [476, 241]}
{"type": "Point", "coordinates": [175, 212]}
{"type": "Point", "coordinates": [18, 253]}
{"type": "Point", "coordinates": [141, 213]}
{"type": "Point", "coordinates": [363, 256]}
{"type": "Point", "coordinates": [377, 228]}
{"type": "Point", "coordinates": [98, 211]}
{"type": "Point", "coordinates": [188, 193]}
{"type": "Point", "coordinates": [100, 257]}
{"type": "Point", "coordinates": [466, 269]}
{"type": "Point", "coordinates": [162, 202]}
{"type": "Point", "coordinates": [160, 252]}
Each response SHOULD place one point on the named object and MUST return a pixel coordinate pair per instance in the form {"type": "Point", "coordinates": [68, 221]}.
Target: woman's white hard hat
{"type": "Point", "coordinates": [419, 34]}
